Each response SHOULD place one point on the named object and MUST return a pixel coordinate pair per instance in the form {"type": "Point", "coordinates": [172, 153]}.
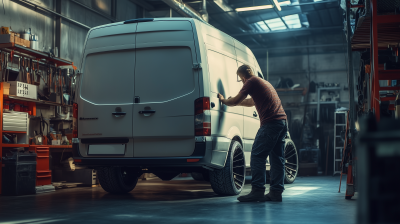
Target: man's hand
{"type": "Point", "coordinates": [232, 101]}
{"type": "Point", "coordinates": [221, 97]}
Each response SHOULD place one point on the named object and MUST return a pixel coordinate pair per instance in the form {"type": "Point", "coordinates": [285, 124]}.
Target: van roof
{"type": "Point", "coordinates": [147, 20]}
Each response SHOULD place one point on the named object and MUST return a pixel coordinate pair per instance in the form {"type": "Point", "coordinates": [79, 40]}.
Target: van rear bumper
{"type": "Point", "coordinates": [141, 162]}
{"type": "Point", "coordinates": [197, 159]}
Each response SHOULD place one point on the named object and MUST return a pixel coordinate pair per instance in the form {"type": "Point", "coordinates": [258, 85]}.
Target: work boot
{"type": "Point", "coordinates": [273, 196]}
{"type": "Point", "coordinates": [256, 194]}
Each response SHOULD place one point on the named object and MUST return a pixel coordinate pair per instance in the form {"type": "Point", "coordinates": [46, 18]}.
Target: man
{"type": "Point", "coordinates": [270, 138]}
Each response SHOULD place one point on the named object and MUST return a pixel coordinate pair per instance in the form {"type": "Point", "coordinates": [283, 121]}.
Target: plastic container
{"type": "Point", "coordinates": [19, 173]}
{"type": "Point", "coordinates": [6, 105]}
{"type": "Point", "coordinates": [27, 34]}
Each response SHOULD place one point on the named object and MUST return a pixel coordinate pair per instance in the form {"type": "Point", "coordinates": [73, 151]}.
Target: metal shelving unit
{"type": "Point", "coordinates": [338, 150]}
{"type": "Point", "coordinates": [319, 102]}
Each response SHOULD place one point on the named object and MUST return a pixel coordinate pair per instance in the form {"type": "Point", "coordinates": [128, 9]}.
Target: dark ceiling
{"type": "Point", "coordinates": [270, 27]}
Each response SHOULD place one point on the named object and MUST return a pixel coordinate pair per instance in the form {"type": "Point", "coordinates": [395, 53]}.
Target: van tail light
{"type": "Point", "coordinates": [75, 120]}
{"type": "Point", "coordinates": [202, 117]}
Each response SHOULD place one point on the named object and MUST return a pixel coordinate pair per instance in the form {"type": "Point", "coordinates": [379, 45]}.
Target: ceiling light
{"type": "Point", "coordinates": [254, 8]}
{"type": "Point", "coordinates": [277, 5]}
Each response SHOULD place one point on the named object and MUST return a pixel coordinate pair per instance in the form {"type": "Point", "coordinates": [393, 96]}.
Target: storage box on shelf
{"type": "Point", "coordinates": [21, 89]}
{"type": "Point", "coordinates": [14, 39]}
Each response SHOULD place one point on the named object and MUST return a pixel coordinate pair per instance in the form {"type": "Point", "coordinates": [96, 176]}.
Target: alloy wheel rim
{"type": "Point", "coordinates": [238, 168]}
{"type": "Point", "coordinates": [291, 162]}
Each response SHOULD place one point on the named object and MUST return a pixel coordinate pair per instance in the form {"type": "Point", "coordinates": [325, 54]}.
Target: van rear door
{"type": "Point", "coordinates": [165, 89]}
{"type": "Point", "coordinates": [107, 89]}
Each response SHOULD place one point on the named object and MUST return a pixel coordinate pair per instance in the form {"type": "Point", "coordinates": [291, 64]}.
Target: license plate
{"type": "Point", "coordinates": [106, 149]}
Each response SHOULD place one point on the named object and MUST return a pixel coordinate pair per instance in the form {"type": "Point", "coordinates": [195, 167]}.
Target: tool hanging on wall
{"type": "Point", "coordinates": [60, 89]}
{"type": "Point", "coordinates": [28, 71]}
{"type": "Point", "coordinates": [19, 70]}
{"type": "Point", "coordinates": [6, 68]}
{"type": "Point", "coordinates": [1, 64]}
{"type": "Point", "coordinates": [49, 72]}
{"type": "Point", "coordinates": [55, 81]}
{"type": "Point", "coordinates": [22, 78]}
{"type": "Point", "coordinates": [4, 73]}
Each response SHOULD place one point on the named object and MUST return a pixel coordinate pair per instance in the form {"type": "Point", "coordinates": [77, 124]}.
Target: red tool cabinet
{"type": "Point", "coordinates": [43, 172]}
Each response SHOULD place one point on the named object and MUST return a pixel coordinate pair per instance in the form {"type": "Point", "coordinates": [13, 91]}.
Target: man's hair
{"type": "Point", "coordinates": [245, 71]}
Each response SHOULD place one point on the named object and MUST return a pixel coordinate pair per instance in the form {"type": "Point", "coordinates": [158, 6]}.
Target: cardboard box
{"type": "Point", "coordinates": [56, 142]}
{"type": "Point", "coordinates": [22, 89]}
{"type": "Point", "coordinates": [6, 87]}
{"type": "Point", "coordinates": [22, 42]}
{"type": "Point", "coordinates": [16, 34]}
{"type": "Point", "coordinates": [7, 38]}
{"type": "Point", "coordinates": [5, 30]}
{"type": "Point", "coordinates": [25, 43]}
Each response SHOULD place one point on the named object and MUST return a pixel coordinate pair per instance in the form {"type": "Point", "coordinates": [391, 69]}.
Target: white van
{"type": "Point", "coordinates": [147, 102]}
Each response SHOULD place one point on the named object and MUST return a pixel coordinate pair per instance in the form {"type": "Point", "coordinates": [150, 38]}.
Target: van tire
{"type": "Point", "coordinates": [117, 180]}
{"type": "Point", "coordinates": [230, 180]}
{"type": "Point", "coordinates": [291, 162]}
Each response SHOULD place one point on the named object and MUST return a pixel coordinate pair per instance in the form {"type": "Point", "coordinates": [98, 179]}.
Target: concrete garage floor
{"type": "Point", "coordinates": [183, 200]}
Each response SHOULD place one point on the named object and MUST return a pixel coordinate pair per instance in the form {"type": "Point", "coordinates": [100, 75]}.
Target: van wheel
{"type": "Point", "coordinates": [117, 180]}
{"type": "Point", "coordinates": [291, 161]}
{"type": "Point", "coordinates": [230, 179]}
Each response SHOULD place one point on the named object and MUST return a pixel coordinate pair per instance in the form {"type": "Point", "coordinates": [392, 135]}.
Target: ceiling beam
{"type": "Point", "coordinates": [261, 55]}
{"type": "Point", "coordinates": [300, 46]}
{"type": "Point", "coordinates": [292, 5]}
{"type": "Point", "coordinates": [284, 31]}
{"type": "Point", "coordinates": [143, 4]}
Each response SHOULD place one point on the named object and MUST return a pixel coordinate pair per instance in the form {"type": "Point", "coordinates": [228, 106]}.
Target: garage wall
{"type": "Point", "coordinates": [322, 64]}
{"type": "Point", "coordinates": [19, 16]}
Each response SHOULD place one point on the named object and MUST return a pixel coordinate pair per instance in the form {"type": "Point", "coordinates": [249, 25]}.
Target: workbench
{"type": "Point", "coordinates": [43, 169]}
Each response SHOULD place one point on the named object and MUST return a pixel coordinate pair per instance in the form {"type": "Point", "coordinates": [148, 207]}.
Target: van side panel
{"type": "Point", "coordinates": [219, 54]}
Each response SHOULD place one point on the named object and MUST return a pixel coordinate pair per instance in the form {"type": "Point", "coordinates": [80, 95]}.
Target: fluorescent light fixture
{"type": "Point", "coordinates": [285, 3]}
{"type": "Point", "coordinates": [254, 8]}
{"type": "Point", "coordinates": [277, 5]}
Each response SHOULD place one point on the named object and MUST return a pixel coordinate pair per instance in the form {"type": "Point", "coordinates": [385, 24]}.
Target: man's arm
{"type": "Point", "coordinates": [247, 103]}
{"type": "Point", "coordinates": [235, 101]}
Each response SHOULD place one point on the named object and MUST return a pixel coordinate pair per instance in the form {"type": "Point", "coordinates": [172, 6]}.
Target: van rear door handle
{"type": "Point", "coordinates": [147, 112]}
{"type": "Point", "coordinates": [119, 113]}
{"type": "Point", "coordinates": [254, 114]}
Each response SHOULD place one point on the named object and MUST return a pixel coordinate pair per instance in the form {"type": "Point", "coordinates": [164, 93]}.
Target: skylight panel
{"type": "Point", "coordinates": [276, 24]}
{"type": "Point", "coordinates": [262, 26]}
{"type": "Point", "coordinates": [292, 21]}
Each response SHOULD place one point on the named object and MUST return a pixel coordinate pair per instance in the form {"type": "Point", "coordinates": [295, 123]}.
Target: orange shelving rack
{"type": "Point", "coordinates": [43, 172]}
{"type": "Point", "coordinates": [378, 32]}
